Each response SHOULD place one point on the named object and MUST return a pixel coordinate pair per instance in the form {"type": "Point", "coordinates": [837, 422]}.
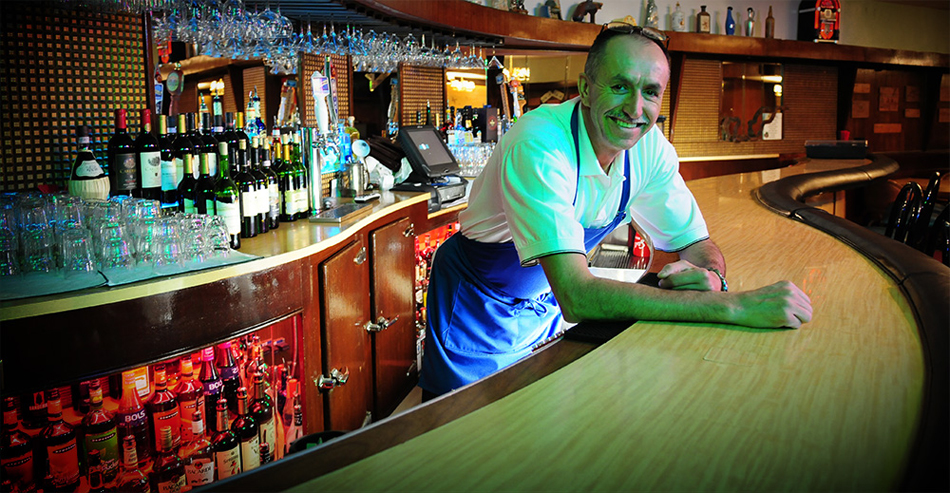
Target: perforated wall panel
{"type": "Point", "coordinates": [418, 85]}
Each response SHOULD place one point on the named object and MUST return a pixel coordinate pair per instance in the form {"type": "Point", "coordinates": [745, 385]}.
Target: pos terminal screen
{"type": "Point", "coordinates": [427, 153]}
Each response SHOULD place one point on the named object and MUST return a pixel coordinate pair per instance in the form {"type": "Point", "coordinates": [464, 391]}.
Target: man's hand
{"type": "Point", "coordinates": [781, 304]}
{"type": "Point", "coordinates": [684, 275]}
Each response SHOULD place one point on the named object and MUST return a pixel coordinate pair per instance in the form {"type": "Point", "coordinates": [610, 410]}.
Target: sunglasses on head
{"type": "Point", "coordinates": [647, 32]}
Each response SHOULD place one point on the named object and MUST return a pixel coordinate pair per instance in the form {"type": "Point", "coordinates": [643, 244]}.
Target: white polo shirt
{"type": "Point", "coordinates": [526, 192]}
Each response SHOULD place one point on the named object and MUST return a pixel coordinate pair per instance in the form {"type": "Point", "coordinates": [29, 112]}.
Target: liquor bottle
{"type": "Point", "coordinates": [295, 431]}
{"type": "Point", "coordinates": [302, 196]}
{"type": "Point", "coordinates": [16, 450]}
{"type": "Point", "coordinates": [247, 432]}
{"type": "Point", "coordinates": [62, 452]}
{"type": "Point", "coordinates": [123, 166]}
{"type": "Point", "coordinates": [224, 443]}
{"type": "Point", "coordinates": [255, 125]}
{"type": "Point", "coordinates": [170, 198]}
{"type": "Point", "coordinates": [94, 476]}
{"type": "Point", "coordinates": [183, 150]}
{"type": "Point", "coordinates": [188, 188]}
{"type": "Point", "coordinates": [703, 23]}
{"type": "Point", "coordinates": [148, 154]}
{"type": "Point", "coordinates": [239, 128]}
{"type": "Point", "coordinates": [168, 473]}
{"type": "Point", "coordinates": [197, 455]}
{"type": "Point", "coordinates": [212, 385]}
{"type": "Point", "coordinates": [247, 188]}
{"type": "Point", "coordinates": [192, 133]}
{"type": "Point", "coordinates": [287, 413]}
{"type": "Point", "coordinates": [730, 22]}
{"type": "Point", "coordinates": [131, 479]}
{"type": "Point", "coordinates": [286, 172]}
{"type": "Point", "coordinates": [33, 411]}
{"type": "Point", "coordinates": [273, 184]}
{"type": "Point", "coordinates": [227, 201]}
{"type": "Point", "coordinates": [133, 419]}
{"type": "Point", "coordinates": [770, 25]}
{"type": "Point", "coordinates": [207, 142]}
{"type": "Point", "coordinates": [163, 411]}
{"type": "Point", "coordinates": [750, 22]}
{"type": "Point", "coordinates": [230, 373]}
{"type": "Point", "coordinates": [204, 188]}
{"type": "Point", "coordinates": [262, 177]}
{"type": "Point", "coordinates": [190, 401]}
{"type": "Point", "coordinates": [101, 435]}
{"type": "Point", "coordinates": [86, 178]}
{"type": "Point", "coordinates": [678, 19]}
{"type": "Point", "coordinates": [262, 409]}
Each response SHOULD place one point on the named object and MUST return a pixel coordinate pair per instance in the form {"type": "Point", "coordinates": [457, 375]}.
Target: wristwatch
{"type": "Point", "coordinates": [725, 287]}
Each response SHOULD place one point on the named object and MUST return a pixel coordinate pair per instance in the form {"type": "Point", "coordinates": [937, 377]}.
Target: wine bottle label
{"type": "Point", "coordinates": [268, 432]}
{"type": "Point", "coordinates": [19, 470]}
{"type": "Point", "coordinates": [151, 169]}
{"type": "Point", "coordinates": [180, 167]}
{"type": "Point", "coordinates": [126, 169]}
{"type": "Point", "coordinates": [251, 454]}
{"type": "Point", "coordinates": [107, 443]}
{"type": "Point", "coordinates": [250, 203]}
{"type": "Point", "coordinates": [228, 462]}
{"type": "Point", "coordinates": [273, 193]}
{"type": "Point", "coordinates": [190, 206]}
{"type": "Point", "coordinates": [170, 418]}
{"type": "Point", "coordinates": [231, 212]}
{"type": "Point", "coordinates": [263, 201]}
{"type": "Point", "coordinates": [63, 464]}
{"type": "Point", "coordinates": [303, 201]}
{"type": "Point", "coordinates": [199, 471]}
{"type": "Point", "coordinates": [169, 176]}
{"type": "Point", "coordinates": [89, 169]}
{"type": "Point", "coordinates": [173, 485]}
{"type": "Point", "coordinates": [186, 416]}
{"type": "Point", "coordinates": [209, 207]}
{"type": "Point", "coordinates": [290, 205]}
{"type": "Point", "coordinates": [212, 164]}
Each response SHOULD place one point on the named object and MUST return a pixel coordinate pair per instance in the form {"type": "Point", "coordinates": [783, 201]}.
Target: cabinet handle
{"type": "Point", "coordinates": [380, 325]}
{"type": "Point", "coordinates": [360, 257]}
{"type": "Point", "coordinates": [410, 231]}
{"type": "Point", "coordinates": [336, 379]}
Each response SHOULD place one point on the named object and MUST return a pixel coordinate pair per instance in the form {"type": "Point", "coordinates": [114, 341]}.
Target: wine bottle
{"type": "Point", "coordinates": [288, 183]}
{"type": "Point", "coordinates": [204, 188]}
{"type": "Point", "coordinates": [273, 184]}
{"type": "Point", "coordinates": [168, 473]}
{"type": "Point", "coordinates": [212, 385]}
{"type": "Point", "coordinates": [226, 447]}
{"type": "Point", "coordinates": [131, 479]}
{"type": "Point", "coordinates": [262, 409]}
{"type": "Point", "coordinates": [239, 128]}
{"type": "Point", "coordinates": [183, 150]}
{"type": "Point", "coordinates": [227, 201]}
{"type": "Point", "coordinates": [197, 455]}
{"type": "Point", "coordinates": [163, 410]}
{"type": "Point", "coordinates": [287, 414]}
{"type": "Point", "coordinates": [188, 188]}
{"type": "Point", "coordinates": [86, 178]}
{"type": "Point", "coordinates": [16, 450]}
{"type": "Point", "coordinates": [190, 401]}
{"type": "Point", "coordinates": [101, 435]}
{"type": "Point", "coordinates": [149, 158]}
{"type": "Point", "coordinates": [122, 162]}
{"type": "Point", "coordinates": [133, 419]}
{"type": "Point", "coordinates": [302, 195]}
{"type": "Point", "coordinates": [170, 198]}
{"type": "Point", "coordinates": [247, 187]}
{"type": "Point", "coordinates": [230, 373]}
{"type": "Point", "coordinates": [196, 142]}
{"type": "Point", "coordinates": [208, 141]}
{"type": "Point", "coordinates": [263, 190]}
{"type": "Point", "coordinates": [247, 432]}
{"type": "Point", "coordinates": [59, 443]}
{"type": "Point", "coordinates": [229, 135]}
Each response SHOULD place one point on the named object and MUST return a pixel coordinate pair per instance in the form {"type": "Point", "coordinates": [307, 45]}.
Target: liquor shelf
{"type": "Point", "coordinates": [854, 399]}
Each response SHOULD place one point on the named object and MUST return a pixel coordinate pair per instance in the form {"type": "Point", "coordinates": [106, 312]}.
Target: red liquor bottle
{"type": "Point", "coordinates": [212, 386]}
{"type": "Point", "coordinates": [16, 451]}
{"type": "Point", "coordinates": [163, 411]}
{"type": "Point", "coordinates": [131, 479]}
{"type": "Point", "coordinates": [190, 399]}
{"type": "Point", "coordinates": [227, 448]}
{"type": "Point", "coordinates": [133, 419]}
{"type": "Point", "coordinates": [168, 473]}
{"type": "Point", "coordinates": [262, 409]}
{"type": "Point", "coordinates": [230, 374]}
{"type": "Point", "coordinates": [62, 451]}
{"type": "Point", "coordinates": [246, 429]}
{"type": "Point", "coordinates": [197, 456]}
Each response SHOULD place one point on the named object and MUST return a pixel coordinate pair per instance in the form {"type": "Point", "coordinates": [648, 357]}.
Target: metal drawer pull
{"type": "Point", "coordinates": [361, 256]}
{"type": "Point", "coordinates": [336, 379]}
{"type": "Point", "coordinates": [410, 231]}
{"type": "Point", "coordinates": [380, 325]}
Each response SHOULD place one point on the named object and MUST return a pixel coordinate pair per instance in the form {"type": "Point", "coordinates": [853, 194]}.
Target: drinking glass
{"type": "Point", "coordinates": [36, 235]}
{"type": "Point", "coordinates": [168, 255]}
{"type": "Point", "coordinates": [77, 253]}
{"type": "Point", "coordinates": [9, 262]}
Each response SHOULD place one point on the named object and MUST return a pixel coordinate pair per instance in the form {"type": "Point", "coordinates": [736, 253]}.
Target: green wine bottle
{"type": "Point", "coordinates": [227, 200]}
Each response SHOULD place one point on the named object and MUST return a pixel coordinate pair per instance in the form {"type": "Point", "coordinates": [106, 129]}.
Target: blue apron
{"type": "Point", "coordinates": [486, 311]}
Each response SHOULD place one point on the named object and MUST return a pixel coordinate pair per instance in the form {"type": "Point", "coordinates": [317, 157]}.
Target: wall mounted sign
{"type": "Point", "coordinates": [890, 99]}
{"type": "Point", "coordinates": [860, 109]}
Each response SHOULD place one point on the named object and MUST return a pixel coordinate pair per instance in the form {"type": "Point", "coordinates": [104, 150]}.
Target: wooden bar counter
{"type": "Point", "coordinates": [834, 405]}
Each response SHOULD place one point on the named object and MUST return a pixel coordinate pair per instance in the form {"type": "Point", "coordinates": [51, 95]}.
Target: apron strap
{"type": "Point", "coordinates": [575, 132]}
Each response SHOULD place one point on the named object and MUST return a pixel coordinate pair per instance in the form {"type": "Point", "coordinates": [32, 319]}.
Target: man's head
{"type": "Point", "coordinates": [622, 88]}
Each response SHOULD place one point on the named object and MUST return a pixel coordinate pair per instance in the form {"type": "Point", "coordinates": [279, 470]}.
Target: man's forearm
{"type": "Point", "coordinates": [704, 254]}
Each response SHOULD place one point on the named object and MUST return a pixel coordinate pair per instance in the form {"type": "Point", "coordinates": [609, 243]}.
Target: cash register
{"type": "Point", "coordinates": [434, 167]}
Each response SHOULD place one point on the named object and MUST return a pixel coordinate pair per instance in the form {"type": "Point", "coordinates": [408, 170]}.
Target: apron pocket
{"type": "Point", "coordinates": [482, 323]}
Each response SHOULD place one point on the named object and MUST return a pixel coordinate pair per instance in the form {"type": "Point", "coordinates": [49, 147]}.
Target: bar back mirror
{"type": "Point", "coordinates": [751, 103]}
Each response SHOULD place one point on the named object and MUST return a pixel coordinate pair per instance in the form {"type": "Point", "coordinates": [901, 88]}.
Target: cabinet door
{"type": "Point", "coordinates": [344, 282]}
{"type": "Point", "coordinates": [394, 347]}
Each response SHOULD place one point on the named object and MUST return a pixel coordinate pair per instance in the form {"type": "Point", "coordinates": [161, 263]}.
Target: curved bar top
{"type": "Point", "coordinates": [835, 405]}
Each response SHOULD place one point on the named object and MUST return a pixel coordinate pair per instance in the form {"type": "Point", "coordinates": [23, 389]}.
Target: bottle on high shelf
{"type": "Point", "coordinates": [148, 153]}
{"type": "Point", "coordinates": [94, 474]}
{"type": "Point", "coordinates": [204, 188]}
{"type": "Point", "coordinates": [188, 188]}
{"type": "Point", "coordinates": [248, 189]}
{"type": "Point", "coordinates": [302, 196]}
{"type": "Point", "coordinates": [163, 410]}
{"type": "Point", "coordinates": [263, 192]}
{"type": "Point", "coordinates": [196, 141]}
{"type": "Point", "coordinates": [273, 183]}
{"type": "Point", "coordinates": [170, 198]}
{"type": "Point", "coordinates": [16, 450]}
{"type": "Point", "coordinates": [123, 166]}
{"type": "Point", "coordinates": [168, 473]}
{"type": "Point", "coordinates": [197, 456]}
{"type": "Point", "coordinates": [212, 386]}
{"type": "Point", "coordinates": [225, 444]}
{"type": "Point", "coordinates": [247, 432]}
{"type": "Point", "coordinates": [255, 125]}
{"type": "Point", "coordinates": [131, 479]}
{"type": "Point", "coordinates": [227, 199]}
{"type": "Point", "coordinates": [62, 451]}
{"type": "Point", "coordinates": [286, 173]}
{"type": "Point", "coordinates": [183, 150]}
{"type": "Point", "coordinates": [101, 434]}
{"type": "Point", "coordinates": [86, 178]}
{"type": "Point", "coordinates": [133, 418]}
{"type": "Point", "coordinates": [262, 409]}
{"type": "Point", "coordinates": [190, 401]}
{"type": "Point", "coordinates": [230, 373]}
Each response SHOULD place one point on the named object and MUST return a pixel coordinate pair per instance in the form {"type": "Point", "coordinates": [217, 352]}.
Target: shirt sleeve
{"type": "Point", "coordinates": [538, 185]}
{"type": "Point", "coordinates": [665, 208]}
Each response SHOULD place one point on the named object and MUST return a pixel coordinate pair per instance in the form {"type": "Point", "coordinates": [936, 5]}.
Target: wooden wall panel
{"type": "Point", "coordinates": [890, 109]}
{"type": "Point", "coordinates": [416, 86]}
{"type": "Point", "coordinates": [344, 74]}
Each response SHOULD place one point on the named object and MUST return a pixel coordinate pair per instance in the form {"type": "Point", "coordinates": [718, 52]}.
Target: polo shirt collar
{"type": "Point", "coordinates": [590, 166]}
